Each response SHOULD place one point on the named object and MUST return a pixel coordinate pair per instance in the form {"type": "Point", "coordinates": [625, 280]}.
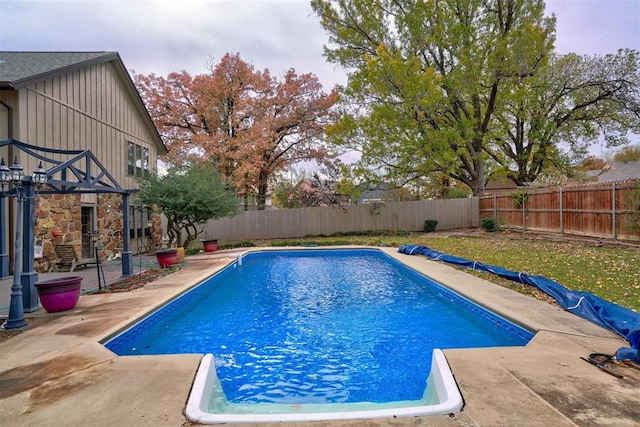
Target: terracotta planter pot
{"type": "Point", "coordinates": [59, 294]}
{"type": "Point", "coordinates": [167, 257]}
{"type": "Point", "coordinates": [210, 245]}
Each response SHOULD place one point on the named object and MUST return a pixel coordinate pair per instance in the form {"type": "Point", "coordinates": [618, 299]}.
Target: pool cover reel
{"type": "Point", "coordinates": [612, 316]}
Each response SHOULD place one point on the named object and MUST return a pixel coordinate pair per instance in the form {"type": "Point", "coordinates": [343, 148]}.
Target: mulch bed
{"type": "Point", "coordinates": [134, 282]}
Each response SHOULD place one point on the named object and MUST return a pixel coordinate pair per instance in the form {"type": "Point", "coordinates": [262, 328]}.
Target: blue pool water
{"type": "Point", "coordinates": [318, 326]}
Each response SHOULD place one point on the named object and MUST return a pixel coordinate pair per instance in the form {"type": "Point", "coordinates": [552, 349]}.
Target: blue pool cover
{"type": "Point", "coordinates": [609, 315]}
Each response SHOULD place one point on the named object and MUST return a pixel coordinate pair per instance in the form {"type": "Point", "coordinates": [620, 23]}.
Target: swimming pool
{"type": "Point", "coordinates": [285, 337]}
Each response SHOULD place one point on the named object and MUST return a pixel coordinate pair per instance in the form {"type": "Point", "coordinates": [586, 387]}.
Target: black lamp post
{"type": "Point", "coordinates": [15, 175]}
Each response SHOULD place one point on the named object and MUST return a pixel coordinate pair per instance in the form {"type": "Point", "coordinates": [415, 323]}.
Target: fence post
{"type": "Point", "coordinates": [614, 231]}
{"type": "Point", "coordinates": [495, 206]}
{"type": "Point", "coordinates": [524, 215]}
{"type": "Point", "coordinates": [561, 214]}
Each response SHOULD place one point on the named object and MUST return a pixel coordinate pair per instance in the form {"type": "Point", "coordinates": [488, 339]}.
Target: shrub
{"type": "Point", "coordinates": [489, 224]}
{"type": "Point", "coordinates": [430, 225]}
{"type": "Point", "coordinates": [188, 196]}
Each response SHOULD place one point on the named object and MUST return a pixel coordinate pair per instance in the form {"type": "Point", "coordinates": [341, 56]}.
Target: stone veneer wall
{"type": "Point", "coordinates": [109, 223]}
{"type": "Point", "coordinates": [156, 230]}
{"type": "Point", "coordinates": [58, 220]}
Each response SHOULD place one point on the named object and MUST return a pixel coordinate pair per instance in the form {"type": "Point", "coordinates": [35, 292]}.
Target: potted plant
{"type": "Point", "coordinates": [59, 294]}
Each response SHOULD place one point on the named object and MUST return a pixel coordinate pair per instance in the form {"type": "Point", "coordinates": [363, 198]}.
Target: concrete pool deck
{"type": "Point", "coordinates": [58, 374]}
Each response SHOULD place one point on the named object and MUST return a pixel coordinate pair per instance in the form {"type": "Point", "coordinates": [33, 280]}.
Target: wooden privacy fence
{"type": "Point", "coordinates": [594, 210]}
{"type": "Point", "coordinates": [291, 223]}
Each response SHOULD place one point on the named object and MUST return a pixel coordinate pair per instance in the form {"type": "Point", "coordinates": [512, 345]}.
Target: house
{"type": "Point", "coordinates": [616, 172]}
{"type": "Point", "coordinates": [77, 101]}
{"type": "Point", "coordinates": [376, 193]}
{"type": "Point", "coordinates": [499, 185]}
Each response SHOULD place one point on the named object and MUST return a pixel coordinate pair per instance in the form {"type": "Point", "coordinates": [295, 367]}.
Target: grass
{"type": "Point", "coordinates": [610, 273]}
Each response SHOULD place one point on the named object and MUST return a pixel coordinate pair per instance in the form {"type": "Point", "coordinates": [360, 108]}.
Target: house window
{"type": "Point", "coordinates": [131, 158]}
{"type": "Point", "coordinates": [145, 162]}
{"type": "Point", "coordinates": [137, 160]}
{"type": "Point", "coordinates": [139, 225]}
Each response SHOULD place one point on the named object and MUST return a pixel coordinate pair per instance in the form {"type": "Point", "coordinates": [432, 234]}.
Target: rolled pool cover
{"type": "Point", "coordinates": [617, 318]}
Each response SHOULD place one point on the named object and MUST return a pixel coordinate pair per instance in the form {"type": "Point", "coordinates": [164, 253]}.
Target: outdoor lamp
{"type": "Point", "coordinates": [17, 173]}
{"type": "Point", "coordinates": [5, 174]}
{"type": "Point", "coordinates": [39, 176]}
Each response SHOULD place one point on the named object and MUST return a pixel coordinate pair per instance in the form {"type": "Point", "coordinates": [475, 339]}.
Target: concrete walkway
{"type": "Point", "coordinates": [58, 373]}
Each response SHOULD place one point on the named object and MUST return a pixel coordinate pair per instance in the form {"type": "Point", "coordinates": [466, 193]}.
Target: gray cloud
{"type": "Point", "coordinates": [590, 27]}
{"type": "Point", "coordinates": [162, 36]}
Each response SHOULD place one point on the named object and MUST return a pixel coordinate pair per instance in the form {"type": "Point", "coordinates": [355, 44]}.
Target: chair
{"type": "Point", "coordinates": [68, 260]}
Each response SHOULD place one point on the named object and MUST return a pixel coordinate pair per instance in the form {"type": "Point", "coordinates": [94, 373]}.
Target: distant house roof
{"type": "Point", "coordinates": [500, 183]}
{"type": "Point", "coordinates": [374, 192]}
{"type": "Point", "coordinates": [617, 172]}
{"type": "Point", "coordinates": [20, 69]}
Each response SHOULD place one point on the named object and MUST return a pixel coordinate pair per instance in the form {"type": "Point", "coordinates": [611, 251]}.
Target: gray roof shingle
{"type": "Point", "coordinates": [619, 172]}
{"type": "Point", "coordinates": [19, 68]}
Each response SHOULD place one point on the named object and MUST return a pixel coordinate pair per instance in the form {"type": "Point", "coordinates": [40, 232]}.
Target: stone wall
{"type": "Point", "coordinates": [58, 220]}
{"type": "Point", "coordinates": [109, 221]}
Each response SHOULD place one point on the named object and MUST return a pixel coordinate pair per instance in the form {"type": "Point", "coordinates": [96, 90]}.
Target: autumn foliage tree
{"type": "Point", "coordinates": [630, 153]}
{"type": "Point", "coordinates": [250, 123]}
{"type": "Point", "coordinates": [306, 193]}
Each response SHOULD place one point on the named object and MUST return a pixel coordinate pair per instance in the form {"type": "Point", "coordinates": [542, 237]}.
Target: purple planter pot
{"type": "Point", "coordinates": [59, 294]}
{"type": "Point", "coordinates": [167, 257]}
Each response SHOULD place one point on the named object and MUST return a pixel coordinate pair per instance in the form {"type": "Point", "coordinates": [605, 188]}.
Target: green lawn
{"type": "Point", "coordinates": [612, 274]}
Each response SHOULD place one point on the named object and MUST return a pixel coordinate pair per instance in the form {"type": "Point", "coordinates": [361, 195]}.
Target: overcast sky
{"type": "Point", "coordinates": [161, 36]}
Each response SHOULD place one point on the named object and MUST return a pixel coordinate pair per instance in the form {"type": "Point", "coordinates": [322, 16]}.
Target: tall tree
{"type": "Point", "coordinates": [425, 78]}
{"type": "Point", "coordinates": [250, 123]}
{"type": "Point", "coordinates": [630, 153]}
{"type": "Point", "coordinates": [551, 117]}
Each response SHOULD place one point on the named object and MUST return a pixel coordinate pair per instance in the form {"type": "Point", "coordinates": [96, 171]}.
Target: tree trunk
{"type": "Point", "coordinates": [262, 191]}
